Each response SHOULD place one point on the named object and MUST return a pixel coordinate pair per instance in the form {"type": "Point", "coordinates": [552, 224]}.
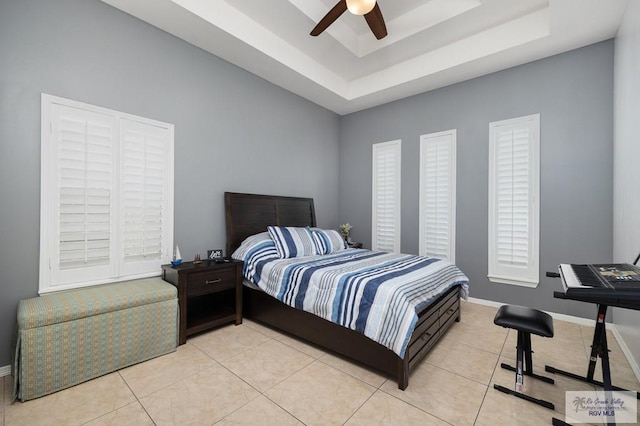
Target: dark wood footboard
{"type": "Point", "coordinates": [432, 323]}
{"type": "Point", "coordinates": [261, 307]}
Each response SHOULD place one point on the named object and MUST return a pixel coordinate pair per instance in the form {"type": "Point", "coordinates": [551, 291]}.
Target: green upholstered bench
{"type": "Point", "coordinates": [72, 336]}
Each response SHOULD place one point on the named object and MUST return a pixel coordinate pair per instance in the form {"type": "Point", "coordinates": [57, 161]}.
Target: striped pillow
{"type": "Point", "coordinates": [260, 245]}
{"type": "Point", "coordinates": [327, 241]}
{"type": "Point", "coordinates": [292, 241]}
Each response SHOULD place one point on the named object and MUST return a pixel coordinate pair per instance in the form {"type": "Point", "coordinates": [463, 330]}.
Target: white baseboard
{"type": "Point", "coordinates": [559, 317]}
{"type": "Point", "coordinates": [626, 351]}
{"type": "Point", "coordinates": [581, 321]}
{"type": "Point", "coordinates": [485, 302]}
{"type": "Point", "coordinates": [5, 371]}
{"type": "Point", "coordinates": [575, 320]}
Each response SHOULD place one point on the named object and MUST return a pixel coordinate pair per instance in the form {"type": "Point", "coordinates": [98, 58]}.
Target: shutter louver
{"type": "Point", "coordinates": [437, 208]}
{"type": "Point", "coordinates": [386, 197]}
{"type": "Point", "coordinates": [513, 197]}
{"type": "Point", "coordinates": [143, 181]}
{"type": "Point", "coordinates": [85, 162]}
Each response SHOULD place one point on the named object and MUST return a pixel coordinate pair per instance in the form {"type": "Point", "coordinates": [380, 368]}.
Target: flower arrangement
{"type": "Point", "coordinates": [345, 228]}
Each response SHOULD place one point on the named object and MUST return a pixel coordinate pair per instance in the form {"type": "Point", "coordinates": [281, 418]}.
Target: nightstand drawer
{"type": "Point", "coordinates": [211, 281]}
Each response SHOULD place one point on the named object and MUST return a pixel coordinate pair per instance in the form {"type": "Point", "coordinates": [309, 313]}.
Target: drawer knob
{"type": "Point", "coordinates": [217, 280]}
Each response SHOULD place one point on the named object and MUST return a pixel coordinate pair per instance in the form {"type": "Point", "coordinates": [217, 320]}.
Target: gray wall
{"type": "Point", "coordinates": [626, 241]}
{"type": "Point", "coordinates": [233, 130]}
{"type": "Point", "coordinates": [573, 92]}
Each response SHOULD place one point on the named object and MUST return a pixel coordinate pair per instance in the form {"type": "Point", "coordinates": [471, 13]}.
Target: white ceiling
{"type": "Point", "coordinates": [431, 43]}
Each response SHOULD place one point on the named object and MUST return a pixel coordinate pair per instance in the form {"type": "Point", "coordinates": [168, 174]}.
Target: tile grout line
{"type": "Point", "coordinates": [137, 398]}
{"type": "Point", "coordinates": [260, 393]}
{"type": "Point", "coordinates": [493, 373]}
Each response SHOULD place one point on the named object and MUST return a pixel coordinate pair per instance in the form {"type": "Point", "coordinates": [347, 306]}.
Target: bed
{"type": "Point", "coordinates": [249, 215]}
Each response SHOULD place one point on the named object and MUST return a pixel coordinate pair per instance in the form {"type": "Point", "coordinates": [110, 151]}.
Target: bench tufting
{"type": "Point", "coordinates": [73, 336]}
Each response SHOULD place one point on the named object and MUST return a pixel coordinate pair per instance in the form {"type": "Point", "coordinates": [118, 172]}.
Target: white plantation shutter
{"type": "Point", "coordinates": [82, 163]}
{"type": "Point", "coordinates": [514, 201]}
{"type": "Point", "coordinates": [438, 195]}
{"type": "Point", "coordinates": [143, 196]}
{"type": "Point", "coordinates": [386, 196]}
{"type": "Point", "coordinates": [107, 196]}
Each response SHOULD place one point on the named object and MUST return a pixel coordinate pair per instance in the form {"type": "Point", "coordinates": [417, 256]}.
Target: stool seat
{"type": "Point", "coordinates": [525, 319]}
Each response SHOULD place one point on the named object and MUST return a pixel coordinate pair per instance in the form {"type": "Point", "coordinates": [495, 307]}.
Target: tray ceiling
{"type": "Point", "coordinates": [431, 43]}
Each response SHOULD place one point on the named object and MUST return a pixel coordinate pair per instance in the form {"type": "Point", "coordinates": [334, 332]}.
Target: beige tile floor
{"type": "Point", "coordinates": [253, 375]}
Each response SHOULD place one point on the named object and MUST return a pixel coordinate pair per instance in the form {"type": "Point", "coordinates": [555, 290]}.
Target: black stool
{"type": "Point", "coordinates": [526, 321]}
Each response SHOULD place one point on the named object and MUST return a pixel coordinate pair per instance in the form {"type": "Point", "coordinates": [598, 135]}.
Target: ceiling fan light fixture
{"type": "Point", "coordinates": [360, 7]}
{"type": "Point", "coordinates": [368, 8]}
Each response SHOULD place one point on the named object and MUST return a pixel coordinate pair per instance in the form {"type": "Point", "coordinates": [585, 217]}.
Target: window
{"type": "Point", "coordinates": [386, 196]}
{"type": "Point", "coordinates": [438, 195]}
{"type": "Point", "coordinates": [106, 195]}
{"type": "Point", "coordinates": [514, 194]}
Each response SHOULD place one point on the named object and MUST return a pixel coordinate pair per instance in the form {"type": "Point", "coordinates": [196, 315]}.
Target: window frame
{"type": "Point", "coordinates": [448, 137]}
{"type": "Point", "coordinates": [502, 272]}
{"type": "Point", "coordinates": [113, 271]}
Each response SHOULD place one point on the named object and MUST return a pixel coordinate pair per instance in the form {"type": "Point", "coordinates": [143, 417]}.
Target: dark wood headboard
{"type": "Point", "coordinates": [249, 214]}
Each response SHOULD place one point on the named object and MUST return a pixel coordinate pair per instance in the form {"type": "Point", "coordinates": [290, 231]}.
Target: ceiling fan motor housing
{"type": "Point", "coordinates": [360, 7]}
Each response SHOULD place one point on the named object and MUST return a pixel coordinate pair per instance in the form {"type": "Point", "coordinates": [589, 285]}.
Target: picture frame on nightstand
{"type": "Point", "coordinates": [215, 254]}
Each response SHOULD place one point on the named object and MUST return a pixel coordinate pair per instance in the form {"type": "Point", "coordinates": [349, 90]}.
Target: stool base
{"type": "Point", "coordinates": [541, 402]}
{"type": "Point", "coordinates": [524, 361]}
{"type": "Point", "coordinates": [526, 373]}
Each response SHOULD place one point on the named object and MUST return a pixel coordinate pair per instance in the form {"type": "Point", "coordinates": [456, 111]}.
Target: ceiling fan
{"type": "Point", "coordinates": [368, 8]}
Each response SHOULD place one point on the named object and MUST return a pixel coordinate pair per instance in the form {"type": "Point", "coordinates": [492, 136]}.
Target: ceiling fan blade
{"type": "Point", "coordinates": [376, 22]}
{"type": "Point", "coordinates": [330, 17]}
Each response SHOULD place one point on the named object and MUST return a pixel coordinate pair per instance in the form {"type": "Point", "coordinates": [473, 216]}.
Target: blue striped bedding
{"type": "Point", "coordinates": [374, 293]}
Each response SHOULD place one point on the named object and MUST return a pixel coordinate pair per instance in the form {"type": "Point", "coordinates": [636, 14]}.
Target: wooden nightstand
{"type": "Point", "coordinates": [209, 294]}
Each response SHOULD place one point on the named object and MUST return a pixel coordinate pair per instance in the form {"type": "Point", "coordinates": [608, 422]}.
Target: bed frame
{"type": "Point", "coordinates": [249, 214]}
